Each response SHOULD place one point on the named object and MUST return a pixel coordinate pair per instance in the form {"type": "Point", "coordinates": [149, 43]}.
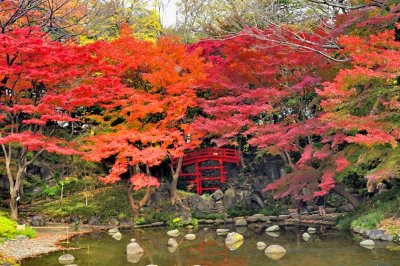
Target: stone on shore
{"type": "Point", "coordinates": [275, 252]}
{"type": "Point", "coordinates": [172, 242]}
{"type": "Point", "coordinates": [273, 228]}
{"type": "Point", "coordinates": [38, 220]}
{"type": "Point", "coordinates": [66, 259]}
{"type": "Point", "coordinates": [133, 248]}
{"type": "Point", "coordinates": [190, 236]}
{"type": "Point", "coordinates": [261, 245]}
{"type": "Point", "coordinates": [386, 237]}
{"type": "Point", "coordinates": [240, 222]}
{"type": "Point", "coordinates": [375, 234]}
{"type": "Point", "coordinates": [173, 232]}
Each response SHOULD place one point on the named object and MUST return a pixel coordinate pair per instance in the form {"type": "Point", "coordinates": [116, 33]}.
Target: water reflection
{"type": "Point", "coordinates": [134, 258]}
{"type": "Point", "coordinates": [329, 248]}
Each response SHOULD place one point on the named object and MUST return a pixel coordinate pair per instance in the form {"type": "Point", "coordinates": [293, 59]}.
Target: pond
{"type": "Point", "coordinates": [327, 247]}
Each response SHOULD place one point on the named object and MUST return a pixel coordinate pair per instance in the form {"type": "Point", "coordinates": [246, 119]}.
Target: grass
{"type": "Point", "coordinates": [8, 228]}
{"type": "Point", "coordinates": [371, 214]}
{"type": "Point", "coordinates": [107, 202]}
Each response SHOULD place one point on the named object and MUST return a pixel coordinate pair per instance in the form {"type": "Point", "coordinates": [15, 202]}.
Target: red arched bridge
{"type": "Point", "coordinates": [198, 178]}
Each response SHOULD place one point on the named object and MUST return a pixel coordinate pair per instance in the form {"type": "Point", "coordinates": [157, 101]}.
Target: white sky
{"type": "Point", "coordinates": [168, 17]}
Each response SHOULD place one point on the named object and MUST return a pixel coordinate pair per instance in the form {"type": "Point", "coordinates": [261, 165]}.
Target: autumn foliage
{"type": "Point", "coordinates": [133, 104]}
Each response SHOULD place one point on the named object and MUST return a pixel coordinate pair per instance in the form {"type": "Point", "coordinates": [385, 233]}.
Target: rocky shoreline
{"type": "Point", "coordinates": [48, 240]}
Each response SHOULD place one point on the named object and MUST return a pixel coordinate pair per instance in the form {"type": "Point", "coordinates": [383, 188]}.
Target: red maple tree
{"type": "Point", "coordinates": [42, 82]}
{"type": "Point", "coordinates": [144, 120]}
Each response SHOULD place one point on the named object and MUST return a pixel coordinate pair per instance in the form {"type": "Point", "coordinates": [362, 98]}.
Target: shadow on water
{"type": "Point", "coordinates": [326, 247]}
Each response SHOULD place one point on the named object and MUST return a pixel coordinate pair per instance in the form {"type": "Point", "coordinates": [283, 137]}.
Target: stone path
{"type": "Point", "coordinates": [46, 241]}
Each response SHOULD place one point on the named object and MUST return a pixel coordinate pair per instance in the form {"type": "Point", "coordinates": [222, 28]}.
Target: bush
{"type": "Point", "coordinates": [8, 229]}
{"type": "Point", "coordinates": [372, 213]}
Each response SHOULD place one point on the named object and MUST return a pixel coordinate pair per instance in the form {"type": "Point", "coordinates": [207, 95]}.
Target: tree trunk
{"type": "Point", "coordinates": [137, 206]}
{"type": "Point", "coordinates": [13, 205]}
{"type": "Point", "coordinates": [342, 192]}
{"type": "Point", "coordinates": [174, 183]}
{"type": "Point", "coordinates": [132, 203]}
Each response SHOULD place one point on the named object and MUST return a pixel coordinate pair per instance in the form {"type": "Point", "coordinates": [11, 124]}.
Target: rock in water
{"type": "Point", "coordinates": [275, 252]}
{"type": "Point", "coordinates": [133, 249]}
{"type": "Point", "coordinates": [113, 231]}
{"type": "Point", "coordinates": [261, 245]}
{"type": "Point", "coordinates": [273, 234]}
{"type": "Point", "coordinates": [222, 231]}
{"type": "Point", "coordinates": [234, 240]}
{"type": "Point", "coordinates": [117, 236]}
{"type": "Point", "coordinates": [306, 236]}
{"type": "Point", "coordinates": [66, 259]}
{"type": "Point", "coordinates": [272, 228]}
{"type": "Point", "coordinates": [311, 230]}
{"type": "Point", "coordinates": [240, 222]}
{"type": "Point", "coordinates": [172, 242]}
{"type": "Point", "coordinates": [233, 237]}
{"type": "Point", "coordinates": [134, 258]}
{"type": "Point", "coordinates": [190, 236]}
{"type": "Point", "coordinates": [173, 232]}
{"type": "Point", "coordinates": [367, 243]}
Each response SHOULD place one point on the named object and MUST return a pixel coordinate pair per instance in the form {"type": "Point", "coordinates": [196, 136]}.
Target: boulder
{"type": "Point", "coordinates": [157, 224]}
{"type": "Point", "coordinates": [172, 242]}
{"type": "Point", "coordinates": [117, 236]}
{"type": "Point", "coordinates": [273, 234]}
{"type": "Point", "coordinates": [222, 231]}
{"type": "Point", "coordinates": [283, 217]}
{"type": "Point", "coordinates": [217, 195]}
{"type": "Point", "coordinates": [133, 249]}
{"type": "Point", "coordinates": [66, 259]}
{"type": "Point", "coordinates": [233, 237]}
{"type": "Point", "coordinates": [173, 232]}
{"type": "Point", "coordinates": [367, 243]}
{"type": "Point", "coordinates": [375, 234]}
{"type": "Point", "coordinates": [275, 252]}
{"type": "Point", "coordinates": [229, 198]}
{"type": "Point", "coordinates": [252, 219]}
{"type": "Point", "coordinates": [113, 222]}
{"type": "Point", "coordinates": [311, 230]}
{"type": "Point", "coordinates": [386, 237]}
{"type": "Point", "coordinates": [306, 236]}
{"type": "Point", "coordinates": [94, 220]}
{"type": "Point", "coordinates": [219, 221]}
{"type": "Point", "coordinates": [190, 236]}
{"type": "Point", "coordinates": [38, 220]}
{"type": "Point", "coordinates": [273, 228]}
{"type": "Point", "coordinates": [234, 240]}
{"type": "Point", "coordinates": [113, 231]}
{"type": "Point", "coordinates": [273, 218]}
{"type": "Point", "coordinates": [240, 222]}
{"type": "Point", "coordinates": [261, 245]}
{"type": "Point", "coordinates": [134, 258]}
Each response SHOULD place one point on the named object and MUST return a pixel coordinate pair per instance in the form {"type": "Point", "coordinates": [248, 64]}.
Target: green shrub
{"type": "Point", "coordinates": [8, 229]}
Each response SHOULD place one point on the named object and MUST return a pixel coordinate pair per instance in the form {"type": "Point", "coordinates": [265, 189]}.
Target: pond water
{"type": "Point", "coordinates": [327, 247]}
